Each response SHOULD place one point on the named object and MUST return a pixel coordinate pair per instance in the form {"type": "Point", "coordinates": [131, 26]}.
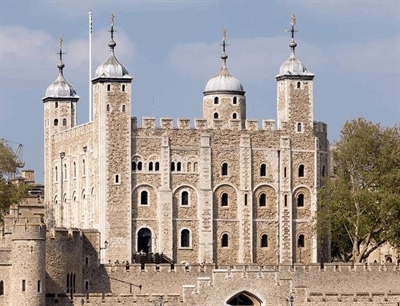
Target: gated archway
{"type": "Point", "coordinates": [144, 241]}
{"type": "Point", "coordinates": [244, 298]}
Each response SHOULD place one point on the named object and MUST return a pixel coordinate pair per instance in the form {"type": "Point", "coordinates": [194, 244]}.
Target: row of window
{"type": "Point", "coordinates": [224, 200]}
{"type": "Point", "coordinates": [123, 108]}
{"type": "Point", "coordinates": [234, 100]}
{"type": "Point", "coordinates": [234, 115]}
{"type": "Point", "coordinates": [174, 166]}
{"type": "Point", "coordinates": [123, 86]}
{"type": "Point", "coordinates": [64, 171]}
{"type": "Point", "coordinates": [185, 240]}
{"type": "Point", "coordinates": [23, 286]}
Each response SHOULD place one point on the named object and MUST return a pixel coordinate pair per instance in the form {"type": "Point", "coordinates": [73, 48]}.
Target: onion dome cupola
{"type": "Point", "coordinates": [111, 68]}
{"type": "Point", "coordinates": [224, 97]}
{"type": "Point", "coordinates": [292, 67]}
{"type": "Point", "coordinates": [60, 88]}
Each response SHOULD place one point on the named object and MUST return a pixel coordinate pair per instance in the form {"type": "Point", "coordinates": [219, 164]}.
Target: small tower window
{"type": "Point", "coordinates": [184, 198]}
{"type": "Point", "coordinates": [285, 200]}
{"type": "Point", "coordinates": [83, 167]}
{"type": "Point", "coordinates": [139, 165]}
{"type": "Point", "coordinates": [172, 166]}
{"type": "Point", "coordinates": [157, 166]}
{"type": "Point", "coordinates": [284, 172]}
{"type": "Point", "coordinates": [74, 169]}
{"type": "Point", "coordinates": [216, 100]}
{"type": "Point", "coordinates": [64, 122]}
{"type": "Point", "coordinates": [39, 286]}
{"type": "Point", "coordinates": [224, 199]}
{"type": "Point", "coordinates": [178, 166]}
{"type": "Point", "coordinates": [264, 241]}
{"type": "Point", "coordinates": [108, 108]}
{"type": "Point", "coordinates": [133, 166]}
{"type": "Point", "coordinates": [301, 171]}
{"type": "Point", "coordinates": [234, 101]}
{"type": "Point", "coordinates": [298, 85]}
{"type": "Point", "coordinates": [56, 106]}
{"type": "Point", "coordinates": [144, 198]}
{"type": "Point", "coordinates": [323, 171]}
{"type": "Point", "coordinates": [224, 169]}
{"type": "Point", "coordinates": [56, 174]}
{"type": "Point", "coordinates": [263, 170]}
{"type": "Point", "coordinates": [150, 166]}
{"type": "Point", "coordinates": [299, 127]}
{"type": "Point", "coordinates": [300, 200]}
{"type": "Point", "coordinates": [123, 108]}
{"type": "Point", "coordinates": [65, 171]}
{"type": "Point", "coordinates": [23, 285]}
{"type": "Point", "coordinates": [1, 288]}
{"type": "Point", "coordinates": [185, 238]}
{"type": "Point", "coordinates": [123, 87]}
{"type": "Point", "coordinates": [263, 200]}
{"type": "Point", "coordinates": [300, 241]}
{"type": "Point", "coordinates": [234, 116]}
{"type": "Point", "coordinates": [116, 179]}
{"type": "Point", "coordinates": [108, 87]}
{"type": "Point", "coordinates": [225, 241]}
{"type": "Point", "coordinates": [55, 122]}
{"type": "Point", "coordinates": [216, 115]}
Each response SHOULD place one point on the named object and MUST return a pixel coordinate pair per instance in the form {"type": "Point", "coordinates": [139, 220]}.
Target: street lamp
{"type": "Point", "coordinates": [105, 245]}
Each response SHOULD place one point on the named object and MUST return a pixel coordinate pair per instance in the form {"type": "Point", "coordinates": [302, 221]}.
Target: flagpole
{"type": "Point", "coordinates": [90, 65]}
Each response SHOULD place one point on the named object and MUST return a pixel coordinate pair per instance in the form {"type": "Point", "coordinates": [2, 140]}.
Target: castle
{"type": "Point", "coordinates": [215, 212]}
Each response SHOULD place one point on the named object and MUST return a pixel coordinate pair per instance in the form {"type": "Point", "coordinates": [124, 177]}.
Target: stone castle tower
{"type": "Point", "coordinates": [223, 191]}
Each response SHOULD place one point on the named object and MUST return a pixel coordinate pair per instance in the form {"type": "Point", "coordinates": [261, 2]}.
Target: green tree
{"type": "Point", "coordinates": [359, 204]}
{"type": "Point", "coordinates": [9, 193]}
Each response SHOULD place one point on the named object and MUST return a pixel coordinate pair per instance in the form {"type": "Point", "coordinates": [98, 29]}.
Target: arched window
{"type": "Point", "coordinates": [189, 167]}
{"type": "Point", "coordinates": [172, 166]}
{"type": "Point", "coordinates": [1, 288]}
{"type": "Point", "coordinates": [83, 167]}
{"type": "Point", "coordinates": [300, 200]}
{"type": "Point", "coordinates": [157, 166]}
{"type": "Point", "coordinates": [234, 100]}
{"type": "Point", "coordinates": [178, 166]}
{"type": "Point", "coordinates": [123, 108]}
{"type": "Point", "coordinates": [264, 241]}
{"type": "Point", "coordinates": [301, 171]}
{"type": "Point", "coordinates": [185, 238]}
{"type": "Point", "coordinates": [150, 166]}
{"type": "Point", "coordinates": [56, 104]}
{"type": "Point", "coordinates": [224, 169]}
{"type": "Point", "coordinates": [108, 108]}
{"type": "Point", "coordinates": [300, 241]}
{"type": "Point", "coordinates": [184, 198]}
{"type": "Point", "coordinates": [298, 84]}
{"type": "Point", "coordinates": [215, 115]}
{"type": "Point", "coordinates": [263, 200]}
{"type": "Point", "coordinates": [299, 127]}
{"type": "Point", "coordinates": [216, 100]}
{"type": "Point", "coordinates": [64, 122]}
{"type": "Point", "coordinates": [56, 175]}
{"type": "Point", "coordinates": [225, 241]}
{"type": "Point", "coordinates": [55, 122]}
{"type": "Point", "coordinates": [74, 169]}
{"type": "Point", "coordinates": [108, 87]}
{"type": "Point", "coordinates": [285, 200]}
{"type": "Point", "coordinates": [224, 199]}
{"type": "Point", "coordinates": [263, 170]}
{"type": "Point", "coordinates": [139, 165]}
{"type": "Point", "coordinates": [123, 87]}
{"type": "Point", "coordinates": [234, 116]}
{"type": "Point", "coordinates": [133, 166]}
{"type": "Point", "coordinates": [144, 198]}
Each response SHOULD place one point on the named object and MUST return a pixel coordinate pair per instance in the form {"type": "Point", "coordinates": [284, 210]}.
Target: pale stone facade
{"type": "Point", "coordinates": [230, 201]}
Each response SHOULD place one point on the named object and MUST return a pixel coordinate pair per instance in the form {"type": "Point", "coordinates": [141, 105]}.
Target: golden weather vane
{"type": "Point", "coordinates": [293, 19]}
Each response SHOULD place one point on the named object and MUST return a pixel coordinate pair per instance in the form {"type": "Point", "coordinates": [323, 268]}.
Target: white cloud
{"type": "Point", "coordinates": [30, 54]}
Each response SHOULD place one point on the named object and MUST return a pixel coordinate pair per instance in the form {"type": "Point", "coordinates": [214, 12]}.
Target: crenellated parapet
{"type": "Point", "coordinates": [74, 132]}
{"type": "Point", "coordinates": [202, 124]}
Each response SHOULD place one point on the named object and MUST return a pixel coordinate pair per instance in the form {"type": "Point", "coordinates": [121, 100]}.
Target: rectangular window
{"type": "Point", "coordinates": [23, 285]}
{"type": "Point", "coordinates": [39, 287]}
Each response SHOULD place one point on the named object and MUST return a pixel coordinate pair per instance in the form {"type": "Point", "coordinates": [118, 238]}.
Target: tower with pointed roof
{"type": "Point", "coordinates": [224, 97]}
{"type": "Point", "coordinates": [112, 140]}
{"type": "Point", "coordinates": [59, 115]}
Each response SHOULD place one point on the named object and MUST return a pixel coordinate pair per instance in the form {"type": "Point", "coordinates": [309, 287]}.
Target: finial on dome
{"type": "Point", "coordinates": [60, 53]}
{"type": "Point", "coordinates": [112, 43]}
{"type": "Point", "coordinates": [292, 44]}
{"type": "Point", "coordinates": [223, 55]}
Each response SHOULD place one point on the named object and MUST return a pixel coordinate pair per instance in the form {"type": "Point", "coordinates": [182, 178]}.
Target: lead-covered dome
{"type": "Point", "coordinates": [293, 66]}
{"type": "Point", "coordinates": [60, 88]}
{"type": "Point", "coordinates": [223, 81]}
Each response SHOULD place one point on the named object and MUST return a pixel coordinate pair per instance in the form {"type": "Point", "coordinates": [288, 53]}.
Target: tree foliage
{"type": "Point", "coordinates": [360, 203]}
{"type": "Point", "coordinates": [9, 193]}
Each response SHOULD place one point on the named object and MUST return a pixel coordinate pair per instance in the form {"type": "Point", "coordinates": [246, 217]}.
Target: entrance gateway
{"type": "Point", "coordinates": [244, 298]}
{"type": "Point", "coordinates": [144, 241]}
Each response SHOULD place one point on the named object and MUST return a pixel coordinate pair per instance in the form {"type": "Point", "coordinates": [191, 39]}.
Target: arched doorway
{"type": "Point", "coordinates": [144, 240]}
{"type": "Point", "coordinates": [244, 298]}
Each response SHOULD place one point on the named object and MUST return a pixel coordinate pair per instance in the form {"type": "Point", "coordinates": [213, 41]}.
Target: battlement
{"type": "Point", "coordinates": [31, 228]}
{"type": "Point", "coordinates": [202, 124]}
{"type": "Point", "coordinates": [320, 127]}
{"type": "Point", "coordinates": [74, 132]}
{"type": "Point", "coordinates": [64, 233]}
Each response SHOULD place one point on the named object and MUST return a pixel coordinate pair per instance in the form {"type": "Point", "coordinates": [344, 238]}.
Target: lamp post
{"type": "Point", "coordinates": [105, 245]}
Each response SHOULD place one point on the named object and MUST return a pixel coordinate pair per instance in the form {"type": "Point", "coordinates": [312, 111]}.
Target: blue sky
{"type": "Point", "coordinates": [172, 48]}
